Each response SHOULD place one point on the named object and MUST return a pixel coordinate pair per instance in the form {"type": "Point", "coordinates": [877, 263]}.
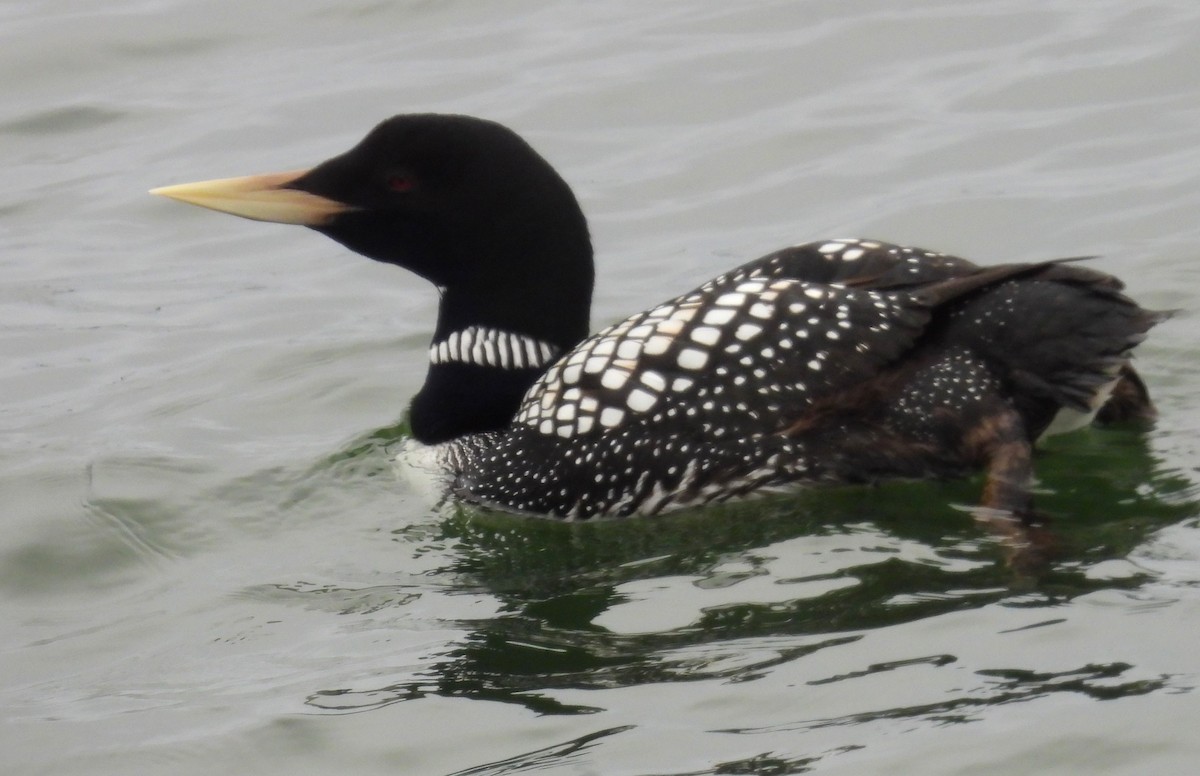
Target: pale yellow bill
{"type": "Point", "coordinates": [259, 197]}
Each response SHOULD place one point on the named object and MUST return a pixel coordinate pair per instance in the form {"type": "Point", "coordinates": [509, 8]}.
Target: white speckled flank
{"type": "Point", "coordinates": [484, 346]}
{"type": "Point", "coordinates": [721, 359]}
{"type": "Point", "coordinates": [702, 398]}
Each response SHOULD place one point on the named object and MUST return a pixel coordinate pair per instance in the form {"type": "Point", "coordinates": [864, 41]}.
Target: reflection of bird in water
{"type": "Point", "coordinates": [835, 361]}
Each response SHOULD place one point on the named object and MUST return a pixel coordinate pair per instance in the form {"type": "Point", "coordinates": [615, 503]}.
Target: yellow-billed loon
{"type": "Point", "coordinates": [837, 361]}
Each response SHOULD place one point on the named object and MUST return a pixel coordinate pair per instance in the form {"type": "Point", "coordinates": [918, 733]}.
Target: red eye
{"type": "Point", "coordinates": [401, 182]}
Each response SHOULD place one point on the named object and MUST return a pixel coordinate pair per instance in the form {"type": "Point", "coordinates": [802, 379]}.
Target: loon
{"type": "Point", "coordinates": [838, 361]}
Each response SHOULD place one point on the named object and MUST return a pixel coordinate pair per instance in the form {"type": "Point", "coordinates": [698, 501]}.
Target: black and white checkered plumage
{"type": "Point", "coordinates": [694, 400]}
{"type": "Point", "coordinates": [834, 361]}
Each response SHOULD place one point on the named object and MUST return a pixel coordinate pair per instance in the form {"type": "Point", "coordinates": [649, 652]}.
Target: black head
{"type": "Point", "coordinates": [466, 204]}
{"type": "Point", "coordinates": [460, 201]}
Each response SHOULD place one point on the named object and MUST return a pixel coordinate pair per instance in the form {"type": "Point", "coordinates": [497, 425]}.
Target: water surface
{"type": "Point", "coordinates": [207, 564]}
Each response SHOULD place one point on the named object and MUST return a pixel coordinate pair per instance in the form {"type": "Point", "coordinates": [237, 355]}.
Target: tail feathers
{"type": "Point", "coordinates": [1060, 334]}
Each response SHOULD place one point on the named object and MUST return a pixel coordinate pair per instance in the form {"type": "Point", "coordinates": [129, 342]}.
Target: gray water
{"type": "Point", "coordinates": [207, 566]}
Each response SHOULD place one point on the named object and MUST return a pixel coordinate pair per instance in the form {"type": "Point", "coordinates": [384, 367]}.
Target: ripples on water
{"type": "Point", "coordinates": [208, 564]}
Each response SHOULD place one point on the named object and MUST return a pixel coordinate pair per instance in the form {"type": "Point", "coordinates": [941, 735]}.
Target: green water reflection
{"type": "Point", "coordinates": [910, 552]}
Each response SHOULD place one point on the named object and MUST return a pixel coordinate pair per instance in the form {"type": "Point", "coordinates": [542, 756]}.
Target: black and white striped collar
{"type": "Point", "coordinates": [483, 346]}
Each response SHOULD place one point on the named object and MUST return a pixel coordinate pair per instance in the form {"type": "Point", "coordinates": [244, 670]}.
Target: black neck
{"type": "Point", "coordinates": [462, 399]}
{"type": "Point", "coordinates": [528, 322]}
